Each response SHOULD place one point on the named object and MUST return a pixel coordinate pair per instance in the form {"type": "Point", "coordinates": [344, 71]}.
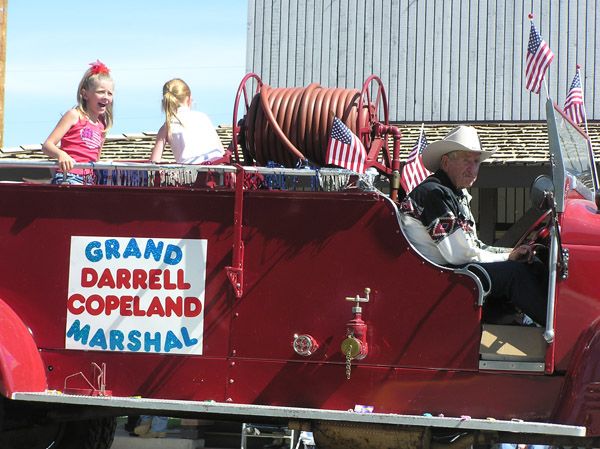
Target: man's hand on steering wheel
{"type": "Point", "coordinates": [522, 253]}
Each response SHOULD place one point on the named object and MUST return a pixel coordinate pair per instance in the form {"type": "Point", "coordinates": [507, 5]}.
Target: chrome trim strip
{"type": "Point", "coordinates": [552, 278]}
{"type": "Point", "coordinates": [495, 365]}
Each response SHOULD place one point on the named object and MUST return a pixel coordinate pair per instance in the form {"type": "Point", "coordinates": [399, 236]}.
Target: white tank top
{"type": "Point", "coordinates": [194, 140]}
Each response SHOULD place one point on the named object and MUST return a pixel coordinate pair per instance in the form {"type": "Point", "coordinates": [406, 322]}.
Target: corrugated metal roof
{"type": "Point", "coordinates": [517, 142]}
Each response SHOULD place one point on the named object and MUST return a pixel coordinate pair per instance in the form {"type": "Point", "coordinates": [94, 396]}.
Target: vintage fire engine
{"type": "Point", "coordinates": [265, 292]}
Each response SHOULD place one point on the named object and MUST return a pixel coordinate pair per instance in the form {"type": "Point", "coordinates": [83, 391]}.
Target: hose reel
{"type": "Point", "coordinates": [292, 125]}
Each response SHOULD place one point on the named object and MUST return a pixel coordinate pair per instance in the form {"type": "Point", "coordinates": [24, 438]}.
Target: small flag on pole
{"type": "Point", "coordinates": [345, 149]}
{"type": "Point", "coordinates": [574, 100]}
{"type": "Point", "coordinates": [539, 57]}
{"type": "Point", "coordinates": [414, 172]}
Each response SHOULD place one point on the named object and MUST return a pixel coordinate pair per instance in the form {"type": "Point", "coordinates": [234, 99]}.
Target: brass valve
{"type": "Point", "coordinates": [355, 346]}
{"type": "Point", "coordinates": [351, 346]}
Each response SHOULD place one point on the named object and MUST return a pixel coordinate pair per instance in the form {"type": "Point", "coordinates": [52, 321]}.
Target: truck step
{"type": "Point", "coordinates": [512, 348]}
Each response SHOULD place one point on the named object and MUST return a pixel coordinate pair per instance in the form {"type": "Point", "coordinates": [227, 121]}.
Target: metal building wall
{"type": "Point", "coordinates": [440, 60]}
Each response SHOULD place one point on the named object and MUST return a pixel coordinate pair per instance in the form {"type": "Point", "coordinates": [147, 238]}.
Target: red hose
{"type": "Point", "coordinates": [285, 125]}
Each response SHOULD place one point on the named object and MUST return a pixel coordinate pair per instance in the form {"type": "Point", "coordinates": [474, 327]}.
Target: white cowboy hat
{"type": "Point", "coordinates": [461, 138]}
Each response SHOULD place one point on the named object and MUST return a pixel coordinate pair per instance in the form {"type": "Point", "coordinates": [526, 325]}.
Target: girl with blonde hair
{"type": "Point", "coordinates": [190, 134]}
{"type": "Point", "coordinates": [80, 133]}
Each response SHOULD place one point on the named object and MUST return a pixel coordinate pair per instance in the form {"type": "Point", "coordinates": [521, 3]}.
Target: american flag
{"type": "Point", "coordinates": [345, 149]}
{"type": "Point", "coordinates": [574, 101]}
{"type": "Point", "coordinates": [539, 57]}
{"type": "Point", "coordinates": [414, 172]}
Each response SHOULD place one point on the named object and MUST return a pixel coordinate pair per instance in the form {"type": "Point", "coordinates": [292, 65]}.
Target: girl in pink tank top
{"type": "Point", "coordinates": [80, 133]}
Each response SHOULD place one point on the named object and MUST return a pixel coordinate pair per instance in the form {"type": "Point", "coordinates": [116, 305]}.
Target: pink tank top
{"type": "Point", "coordinates": [83, 142]}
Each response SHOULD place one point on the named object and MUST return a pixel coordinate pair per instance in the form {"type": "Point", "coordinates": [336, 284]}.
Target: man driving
{"type": "Point", "coordinates": [440, 224]}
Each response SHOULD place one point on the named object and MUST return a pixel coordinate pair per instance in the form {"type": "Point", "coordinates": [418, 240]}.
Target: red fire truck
{"type": "Point", "coordinates": [188, 291]}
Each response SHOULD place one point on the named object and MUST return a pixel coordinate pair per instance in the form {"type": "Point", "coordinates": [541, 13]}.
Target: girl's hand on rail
{"type": "Point", "coordinates": [65, 162]}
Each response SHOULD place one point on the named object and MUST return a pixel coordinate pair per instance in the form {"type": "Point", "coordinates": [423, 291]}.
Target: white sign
{"type": "Point", "coordinates": [136, 295]}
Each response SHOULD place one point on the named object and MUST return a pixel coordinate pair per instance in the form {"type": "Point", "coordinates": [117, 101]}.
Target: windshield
{"type": "Point", "coordinates": [571, 155]}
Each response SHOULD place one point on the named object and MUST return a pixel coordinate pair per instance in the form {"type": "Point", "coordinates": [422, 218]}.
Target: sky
{"type": "Point", "coordinates": [143, 42]}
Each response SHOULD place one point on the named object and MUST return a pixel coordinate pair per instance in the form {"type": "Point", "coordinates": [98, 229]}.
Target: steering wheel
{"type": "Point", "coordinates": [539, 231]}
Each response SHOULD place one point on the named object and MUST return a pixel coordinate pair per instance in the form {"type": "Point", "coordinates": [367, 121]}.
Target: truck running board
{"type": "Point", "coordinates": [248, 412]}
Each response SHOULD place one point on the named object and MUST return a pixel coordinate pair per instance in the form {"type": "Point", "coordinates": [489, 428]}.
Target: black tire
{"type": "Point", "coordinates": [92, 434]}
{"type": "Point", "coordinates": [89, 434]}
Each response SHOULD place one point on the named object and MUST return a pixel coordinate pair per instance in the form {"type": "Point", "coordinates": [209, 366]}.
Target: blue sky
{"type": "Point", "coordinates": [143, 42]}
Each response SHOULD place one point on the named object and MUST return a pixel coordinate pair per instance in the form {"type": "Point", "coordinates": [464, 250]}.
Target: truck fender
{"type": "Point", "coordinates": [21, 366]}
{"type": "Point", "coordinates": [577, 403]}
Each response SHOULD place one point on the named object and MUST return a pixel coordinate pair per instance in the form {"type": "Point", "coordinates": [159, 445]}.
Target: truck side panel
{"type": "Point", "coordinates": [37, 224]}
{"type": "Point", "coordinates": [304, 257]}
{"type": "Point", "coordinates": [304, 254]}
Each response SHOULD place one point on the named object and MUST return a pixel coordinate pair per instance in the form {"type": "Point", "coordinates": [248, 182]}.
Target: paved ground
{"type": "Point", "coordinates": [173, 441]}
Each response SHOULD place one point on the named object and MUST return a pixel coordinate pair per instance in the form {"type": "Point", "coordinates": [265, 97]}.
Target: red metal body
{"type": "Point", "coordinates": [303, 254]}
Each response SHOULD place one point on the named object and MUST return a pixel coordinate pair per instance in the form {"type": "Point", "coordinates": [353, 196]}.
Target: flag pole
{"type": "Point", "coordinates": [421, 132]}
{"type": "Point", "coordinates": [546, 86]}
{"type": "Point", "coordinates": [585, 125]}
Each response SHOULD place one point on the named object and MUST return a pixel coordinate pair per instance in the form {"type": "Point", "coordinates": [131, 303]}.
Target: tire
{"type": "Point", "coordinates": [92, 434]}
{"type": "Point", "coordinates": [89, 434]}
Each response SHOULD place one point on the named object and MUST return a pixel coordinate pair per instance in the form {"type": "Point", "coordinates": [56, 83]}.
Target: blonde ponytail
{"type": "Point", "coordinates": [175, 93]}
